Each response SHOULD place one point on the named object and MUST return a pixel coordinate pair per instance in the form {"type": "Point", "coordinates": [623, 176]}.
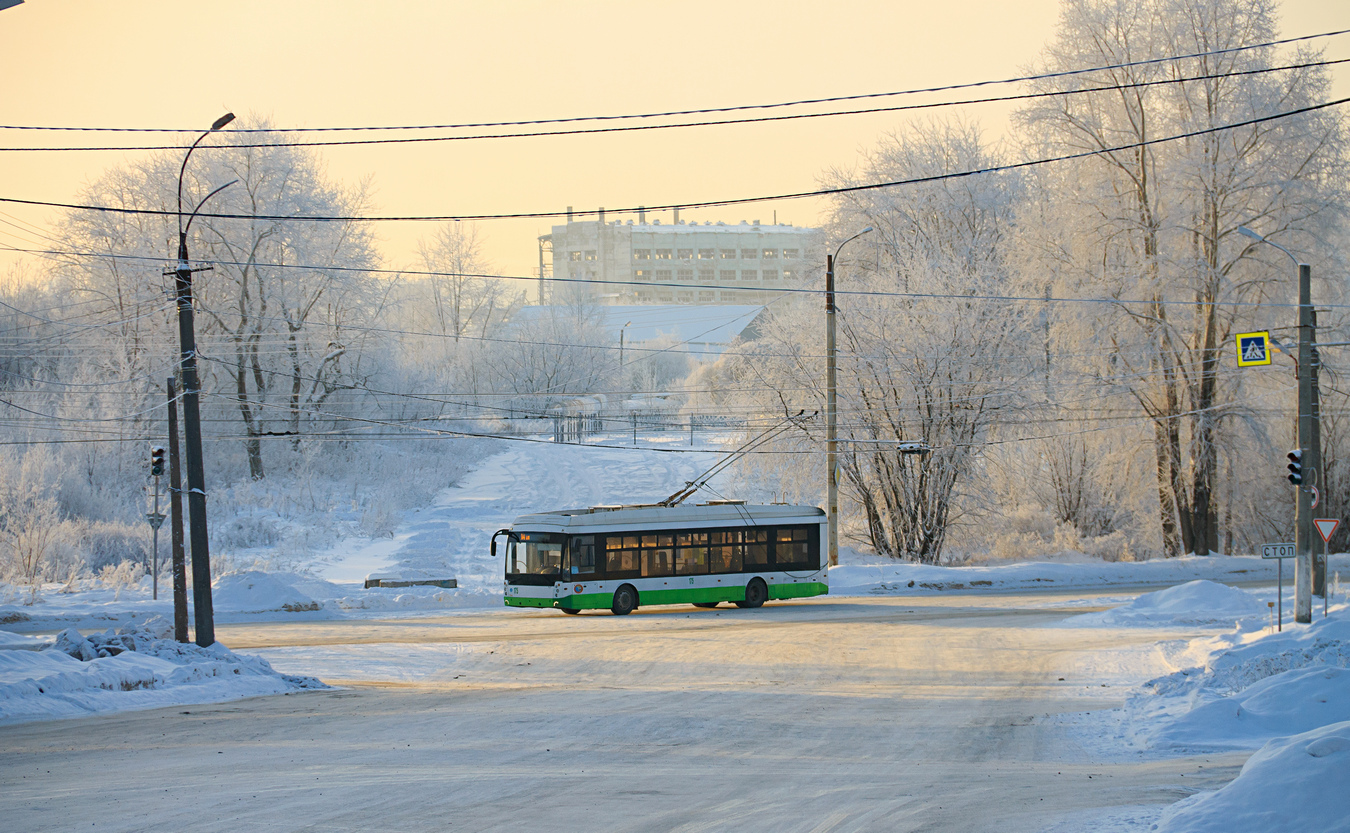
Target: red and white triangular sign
{"type": "Point", "coordinates": [1326, 527]}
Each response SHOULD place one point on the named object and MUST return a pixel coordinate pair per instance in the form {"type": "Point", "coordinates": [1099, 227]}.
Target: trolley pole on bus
{"type": "Point", "coordinates": [831, 408]}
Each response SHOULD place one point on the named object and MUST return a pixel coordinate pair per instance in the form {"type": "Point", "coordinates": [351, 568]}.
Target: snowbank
{"type": "Point", "coordinates": [1199, 602]}
{"type": "Point", "coordinates": [1236, 660]}
{"type": "Point", "coordinates": [136, 668]}
{"type": "Point", "coordinates": [898, 578]}
{"type": "Point", "coordinates": [1285, 704]}
{"type": "Point", "coordinates": [1240, 689]}
{"type": "Point", "coordinates": [257, 592]}
{"type": "Point", "coordinates": [13, 641]}
{"type": "Point", "coordinates": [1295, 783]}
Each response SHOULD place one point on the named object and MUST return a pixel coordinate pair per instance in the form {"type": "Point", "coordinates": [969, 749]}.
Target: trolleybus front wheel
{"type": "Point", "coordinates": [705, 604]}
{"type": "Point", "coordinates": [570, 611]}
{"type": "Point", "coordinates": [625, 600]}
{"type": "Point", "coordinates": [755, 593]}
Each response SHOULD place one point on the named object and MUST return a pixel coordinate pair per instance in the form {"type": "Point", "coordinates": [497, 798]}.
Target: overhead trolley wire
{"type": "Point", "coordinates": [707, 110]}
{"type": "Point", "coordinates": [820, 192]}
{"type": "Point", "coordinates": [784, 290]}
{"type": "Point", "coordinates": [676, 125]}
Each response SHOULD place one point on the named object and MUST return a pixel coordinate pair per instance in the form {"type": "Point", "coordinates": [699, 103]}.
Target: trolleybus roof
{"type": "Point", "coordinates": [720, 513]}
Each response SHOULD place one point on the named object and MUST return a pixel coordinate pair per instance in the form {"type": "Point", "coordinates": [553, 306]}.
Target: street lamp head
{"type": "Point", "coordinates": [864, 231]}
{"type": "Point", "coordinates": [1246, 232]}
{"type": "Point", "coordinates": [222, 121]}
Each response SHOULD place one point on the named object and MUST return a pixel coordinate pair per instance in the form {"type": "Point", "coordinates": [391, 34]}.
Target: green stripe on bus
{"type": "Point", "coordinates": [686, 595]}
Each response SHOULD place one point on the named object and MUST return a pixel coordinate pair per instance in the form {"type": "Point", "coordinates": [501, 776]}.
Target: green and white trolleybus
{"type": "Point", "coordinates": [619, 557]}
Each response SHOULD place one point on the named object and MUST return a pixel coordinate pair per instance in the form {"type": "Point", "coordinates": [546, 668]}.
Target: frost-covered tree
{"type": "Point", "coordinates": [460, 299]}
{"type": "Point", "coordinates": [283, 312]}
{"type": "Point", "coordinates": [541, 360]}
{"type": "Point", "coordinates": [1155, 225]}
{"type": "Point", "coordinates": [938, 366]}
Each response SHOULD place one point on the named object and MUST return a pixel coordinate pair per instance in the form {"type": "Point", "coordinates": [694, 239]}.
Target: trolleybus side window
{"type": "Point", "coordinates": [582, 554]}
{"type": "Point", "coordinates": [756, 549]}
{"type": "Point", "coordinates": [727, 551]}
{"type": "Point", "coordinates": [621, 556]}
{"type": "Point", "coordinates": [658, 555]}
{"type": "Point", "coordinates": [691, 553]}
{"type": "Point", "coordinates": [793, 550]}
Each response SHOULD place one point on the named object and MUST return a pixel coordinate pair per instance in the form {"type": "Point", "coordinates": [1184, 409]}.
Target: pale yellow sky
{"type": "Point", "coordinates": [310, 63]}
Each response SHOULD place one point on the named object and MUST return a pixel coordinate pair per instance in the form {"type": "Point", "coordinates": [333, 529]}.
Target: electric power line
{"type": "Point", "coordinates": [820, 192]}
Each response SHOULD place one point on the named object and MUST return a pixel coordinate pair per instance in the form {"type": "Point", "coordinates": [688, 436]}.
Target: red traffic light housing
{"type": "Point", "coordinates": [1295, 466]}
{"type": "Point", "coordinates": [157, 456]}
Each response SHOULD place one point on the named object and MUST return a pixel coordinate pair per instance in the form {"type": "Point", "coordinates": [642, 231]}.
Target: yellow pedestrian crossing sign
{"type": "Point", "coordinates": [1253, 349]}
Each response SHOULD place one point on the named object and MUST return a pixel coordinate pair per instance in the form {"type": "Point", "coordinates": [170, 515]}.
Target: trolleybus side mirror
{"type": "Point", "coordinates": [493, 548]}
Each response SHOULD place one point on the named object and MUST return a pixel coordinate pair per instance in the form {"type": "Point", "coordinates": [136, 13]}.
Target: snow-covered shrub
{"type": "Point", "coordinates": [381, 518]}
{"type": "Point", "coordinates": [122, 575]}
{"type": "Point", "coordinates": [104, 543]}
{"type": "Point", "coordinates": [246, 531]}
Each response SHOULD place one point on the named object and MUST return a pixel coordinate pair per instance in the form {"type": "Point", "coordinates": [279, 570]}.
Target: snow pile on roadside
{"type": "Point", "coordinates": [136, 668]}
{"type": "Point", "coordinates": [1294, 783]}
{"type": "Point", "coordinates": [1237, 660]}
{"type": "Point", "coordinates": [1199, 602]}
{"type": "Point", "coordinates": [17, 641]}
{"type": "Point", "coordinates": [253, 591]}
{"type": "Point", "coordinates": [384, 599]}
{"type": "Point", "coordinates": [870, 576]}
{"type": "Point", "coordinates": [1285, 704]}
{"type": "Point", "coordinates": [1247, 688]}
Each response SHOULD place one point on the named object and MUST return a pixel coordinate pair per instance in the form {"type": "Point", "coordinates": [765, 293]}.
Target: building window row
{"type": "Point", "coordinates": [709, 275]}
{"type": "Point", "coordinates": [688, 254]}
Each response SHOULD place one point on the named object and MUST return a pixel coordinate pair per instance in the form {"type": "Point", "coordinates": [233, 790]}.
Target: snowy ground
{"type": "Point", "coordinates": [1142, 682]}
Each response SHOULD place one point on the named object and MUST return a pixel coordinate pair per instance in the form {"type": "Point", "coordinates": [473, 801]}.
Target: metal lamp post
{"type": "Point", "coordinates": [622, 330]}
{"type": "Point", "coordinates": [203, 614]}
{"type": "Point", "coordinates": [1308, 435]}
{"type": "Point", "coordinates": [831, 411]}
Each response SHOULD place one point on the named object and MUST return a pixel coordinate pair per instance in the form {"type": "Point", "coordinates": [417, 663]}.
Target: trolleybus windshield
{"type": "Point", "coordinates": [535, 554]}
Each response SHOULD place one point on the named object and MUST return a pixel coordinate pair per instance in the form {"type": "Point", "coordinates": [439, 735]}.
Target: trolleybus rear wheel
{"type": "Point", "coordinates": [625, 600]}
{"type": "Point", "coordinates": [569, 611]}
{"type": "Point", "coordinates": [755, 593]}
{"type": "Point", "coordinates": [705, 604]}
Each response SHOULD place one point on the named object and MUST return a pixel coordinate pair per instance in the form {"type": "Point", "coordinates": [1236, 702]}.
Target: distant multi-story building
{"type": "Point", "coordinates": [678, 263]}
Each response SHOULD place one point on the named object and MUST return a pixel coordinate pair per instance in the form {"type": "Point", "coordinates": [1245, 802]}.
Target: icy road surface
{"type": "Point", "coordinates": [888, 714]}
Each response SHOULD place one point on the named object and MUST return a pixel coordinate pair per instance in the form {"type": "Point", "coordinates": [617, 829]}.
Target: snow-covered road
{"type": "Point", "coordinates": [830, 714]}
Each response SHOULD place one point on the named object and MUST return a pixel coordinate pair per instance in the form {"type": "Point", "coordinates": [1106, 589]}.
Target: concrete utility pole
{"type": "Point", "coordinates": [1309, 445]}
{"type": "Point", "coordinates": [192, 424]}
{"type": "Point", "coordinates": [1303, 526]}
{"type": "Point", "coordinates": [831, 408]}
{"type": "Point", "coordinates": [1319, 563]}
{"type": "Point", "coordinates": [180, 610]}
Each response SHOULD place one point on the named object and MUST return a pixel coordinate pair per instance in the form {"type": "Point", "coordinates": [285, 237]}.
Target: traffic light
{"type": "Point", "coordinates": [1295, 466]}
{"type": "Point", "coordinates": [157, 453]}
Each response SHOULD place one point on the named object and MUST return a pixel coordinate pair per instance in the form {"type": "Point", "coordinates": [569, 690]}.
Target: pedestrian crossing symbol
{"type": "Point", "coordinates": [1253, 349]}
